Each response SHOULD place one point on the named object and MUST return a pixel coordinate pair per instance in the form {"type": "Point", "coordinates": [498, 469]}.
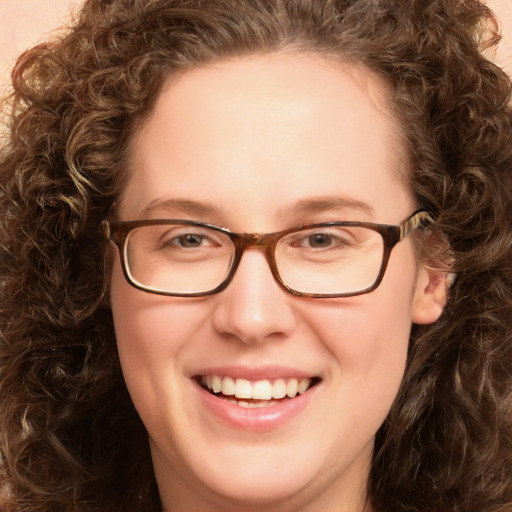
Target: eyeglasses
{"type": "Point", "coordinates": [185, 258]}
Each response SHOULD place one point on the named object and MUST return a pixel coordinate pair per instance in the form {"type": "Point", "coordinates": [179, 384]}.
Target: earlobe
{"type": "Point", "coordinates": [430, 296]}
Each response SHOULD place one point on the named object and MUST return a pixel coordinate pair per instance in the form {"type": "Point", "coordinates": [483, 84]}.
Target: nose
{"type": "Point", "coordinates": [254, 308]}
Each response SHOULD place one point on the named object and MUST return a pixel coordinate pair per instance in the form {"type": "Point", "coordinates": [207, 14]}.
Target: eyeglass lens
{"type": "Point", "coordinates": [186, 259]}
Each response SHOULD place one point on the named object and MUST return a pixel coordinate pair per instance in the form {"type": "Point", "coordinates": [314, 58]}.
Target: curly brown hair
{"type": "Point", "coordinates": [70, 437]}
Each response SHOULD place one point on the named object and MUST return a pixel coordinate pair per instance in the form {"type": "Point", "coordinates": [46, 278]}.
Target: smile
{"type": "Point", "coordinates": [260, 393]}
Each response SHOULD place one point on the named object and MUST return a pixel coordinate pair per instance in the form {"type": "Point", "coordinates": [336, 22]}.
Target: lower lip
{"type": "Point", "coordinates": [258, 418]}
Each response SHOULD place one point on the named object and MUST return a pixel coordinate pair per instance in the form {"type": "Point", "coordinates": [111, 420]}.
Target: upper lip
{"type": "Point", "coordinates": [256, 373]}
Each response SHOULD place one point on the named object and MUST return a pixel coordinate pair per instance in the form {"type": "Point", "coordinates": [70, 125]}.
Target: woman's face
{"type": "Point", "coordinates": [262, 144]}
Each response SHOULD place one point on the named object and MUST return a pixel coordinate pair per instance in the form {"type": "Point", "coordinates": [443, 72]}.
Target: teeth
{"type": "Point", "coordinates": [253, 405]}
{"type": "Point", "coordinates": [216, 384]}
{"type": "Point", "coordinates": [292, 388]}
{"type": "Point", "coordinates": [303, 386]}
{"type": "Point", "coordinates": [262, 390]}
{"type": "Point", "coordinates": [258, 390]}
{"type": "Point", "coordinates": [228, 386]}
{"type": "Point", "coordinates": [279, 389]}
{"type": "Point", "coordinates": [243, 388]}
{"type": "Point", "coordinates": [250, 405]}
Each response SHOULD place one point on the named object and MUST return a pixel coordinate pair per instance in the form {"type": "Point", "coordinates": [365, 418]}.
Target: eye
{"type": "Point", "coordinates": [182, 237]}
{"type": "Point", "coordinates": [189, 240]}
{"type": "Point", "coordinates": [320, 240]}
{"type": "Point", "coordinates": [175, 239]}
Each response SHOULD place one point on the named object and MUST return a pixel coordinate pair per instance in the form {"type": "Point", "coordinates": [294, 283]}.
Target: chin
{"type": "Point", "coordinates": [255, 491]}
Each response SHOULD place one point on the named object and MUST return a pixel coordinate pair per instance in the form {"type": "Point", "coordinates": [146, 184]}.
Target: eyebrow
{"type": "Point", "coordinates": [322, 204]}
{"type": "Point", "coordinates": [186, 206]}
{"type": "Point", "coordinates": [303, 206]}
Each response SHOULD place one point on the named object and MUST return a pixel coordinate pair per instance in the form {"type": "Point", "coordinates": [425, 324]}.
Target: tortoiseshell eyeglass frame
{"type": "Point", "coordinates": [118, 231]}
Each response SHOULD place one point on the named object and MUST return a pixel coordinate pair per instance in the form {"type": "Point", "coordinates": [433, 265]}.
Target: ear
{"type": "Point", "coordinates": [430, 295]}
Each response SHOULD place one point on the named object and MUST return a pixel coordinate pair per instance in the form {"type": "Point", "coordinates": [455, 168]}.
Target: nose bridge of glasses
{"type": "Point", "coordinates": [262, 241]}
{"type": "Point", "coordinates": [256, 240]}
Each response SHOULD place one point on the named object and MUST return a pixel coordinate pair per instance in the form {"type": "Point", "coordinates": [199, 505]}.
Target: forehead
{"type": "Point", "coordinates": [266, 129]}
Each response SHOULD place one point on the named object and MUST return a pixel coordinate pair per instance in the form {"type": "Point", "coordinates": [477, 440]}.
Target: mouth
{"type": "Point", "coordinates": [252, 394]}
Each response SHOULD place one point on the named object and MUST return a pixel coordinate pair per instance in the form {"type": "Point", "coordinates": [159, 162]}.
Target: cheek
{"type": "Point", "coordinates": [367, 343]}
{"type": "Point", "coordinates": [149, 323]}
{"type": "Point", "coordinates": [151, 333]}
{"type": "Point", "coordinates": [366, 327]}
{"type": "Point", "coordinates": [368, 338]}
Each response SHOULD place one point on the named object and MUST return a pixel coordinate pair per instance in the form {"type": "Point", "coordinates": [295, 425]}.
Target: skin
{"type": "Point", "coordinates": [251, 138]}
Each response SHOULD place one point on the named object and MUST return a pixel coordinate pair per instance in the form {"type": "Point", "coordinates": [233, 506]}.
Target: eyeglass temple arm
{"type": "Point", "coordinates": [105, 229]}
{"type": "Point", "coordinates": [416, 220]}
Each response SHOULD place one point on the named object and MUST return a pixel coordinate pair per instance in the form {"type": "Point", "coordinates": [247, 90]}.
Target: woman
{"type": "Point", "coordinates": [256, 256]}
